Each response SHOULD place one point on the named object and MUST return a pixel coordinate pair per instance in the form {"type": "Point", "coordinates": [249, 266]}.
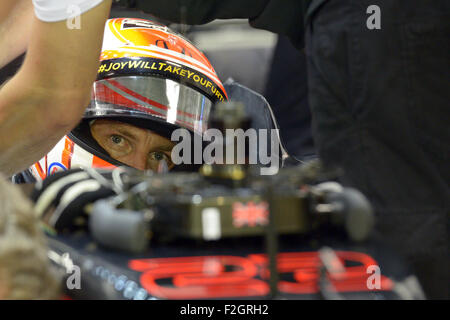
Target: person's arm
{"type": "Point", "coordinates": [282, 17]}
{"type": "Point", "coordinates": [199, 11]}
{"type": "Point", "coordinates": [6, 8]}
{"type": "Point", "coordinates": [48, 95]}
{"type": "Point", "coordinates": [15, 30]}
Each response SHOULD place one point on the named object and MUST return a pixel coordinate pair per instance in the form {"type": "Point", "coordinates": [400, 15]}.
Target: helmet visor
{"type": "Point", "coordinates": [150, 98]}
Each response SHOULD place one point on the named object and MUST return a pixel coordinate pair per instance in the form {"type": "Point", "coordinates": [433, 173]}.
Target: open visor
{"type": "Point", "coordinates": [151, 98]}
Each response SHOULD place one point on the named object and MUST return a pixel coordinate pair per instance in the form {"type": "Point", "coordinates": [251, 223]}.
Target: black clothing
{"type": "Point", "coordinates": [287, 92]}
{"type": "Point", "coordinates": [380, 102]}
{"type": "Point", "coordinates": [280, 16]}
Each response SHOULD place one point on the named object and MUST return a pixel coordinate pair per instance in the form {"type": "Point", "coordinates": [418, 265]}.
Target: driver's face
{"type": "Point", "coordinates": [136, 147]}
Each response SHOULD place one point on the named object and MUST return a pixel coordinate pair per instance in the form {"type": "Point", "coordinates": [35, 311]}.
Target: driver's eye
{"type": "Point", "coordinates": [158, 156]}
{"type": "Point", "coordinates": [116, 139]}
{"type": "Point", "coordinates": [118, 146]}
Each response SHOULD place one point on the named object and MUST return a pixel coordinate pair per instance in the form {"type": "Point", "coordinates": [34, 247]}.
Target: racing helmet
{"type": "Point", "coordinates": [149, 76]}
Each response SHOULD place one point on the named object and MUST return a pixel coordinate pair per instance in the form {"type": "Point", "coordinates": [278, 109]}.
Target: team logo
{"type": "Point", "coordinates": [207, 277]}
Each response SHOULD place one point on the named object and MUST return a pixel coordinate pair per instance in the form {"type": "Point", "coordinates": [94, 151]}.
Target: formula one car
{"type": "Point", "coordinates": [226, 232]}
{"type": "Point", "coordinates": [187, 236]}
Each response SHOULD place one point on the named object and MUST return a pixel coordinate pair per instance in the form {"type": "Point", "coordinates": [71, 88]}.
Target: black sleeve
{"type": "Point", "coordinates": [201, 11]}
{"type": "Point", "coordinates": [284, 17]}
{"type": "Point", "coordinates": [279, 16]}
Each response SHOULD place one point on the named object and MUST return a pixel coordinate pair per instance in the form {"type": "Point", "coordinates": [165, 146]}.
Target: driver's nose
{"type": "Point", "coordinates": [138, 161]}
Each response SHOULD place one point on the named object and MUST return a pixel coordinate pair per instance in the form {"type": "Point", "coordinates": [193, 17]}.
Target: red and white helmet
{"type": "Point", "coordinates": [149, 76]}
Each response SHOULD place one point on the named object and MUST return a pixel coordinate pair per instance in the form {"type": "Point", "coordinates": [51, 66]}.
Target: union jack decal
{"type": "Point", "coordinates": [250, 214]}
